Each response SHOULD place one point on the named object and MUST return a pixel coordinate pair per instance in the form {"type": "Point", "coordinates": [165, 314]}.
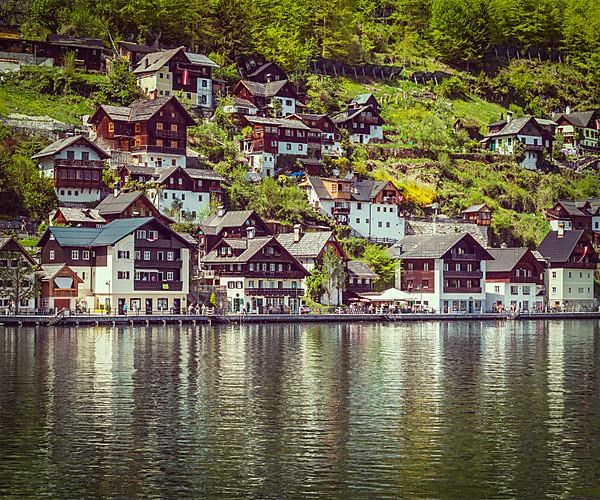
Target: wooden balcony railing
{"type": "Point", "coordinates": [275, 292]}
{"type": "Point", "coordinates": [158, 264]}
{"type": "Point", "coordinates": [64, 162]}
{"type": "Point", "coordinates": [163, 286]}
{"type": "Point", "coordinates": [462, 290]}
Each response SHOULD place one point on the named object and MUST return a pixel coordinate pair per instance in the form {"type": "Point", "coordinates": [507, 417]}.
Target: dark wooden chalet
{"type": "Point", "coordinates": [130, 204]}
{"type": "Point", "coordinates": [269, 134]}
{"type": "Point", "coordinates": [514, 265]}
{"type": "Point", "coordinates": [262, 94]}
{"type": "Point", "coordinates": [156, 125]}
{"type": "Point", "coordinates": [265, 73]}
{"type": "Point", "coordinates": [133, 52]}
{"type": "Point", "coordinates": [479, 214]}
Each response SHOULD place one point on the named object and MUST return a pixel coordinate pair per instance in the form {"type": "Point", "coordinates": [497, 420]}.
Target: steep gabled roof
{"type": "Point", "coordinates": [75, 215]}
{"type": "Point", "coordinates": [366, 190]}
{"type": "Point", "coordinates": [311, 244]}
{"type": "Point", "coordinates": [215, 224]}
{"type": "Point", "coordinates": [475, 208]}
{"type": "Point", "coordinates": [351, 113]}
{"type": "Point", "coordinates": [359, 269]}
{"type": "Point", "coordinates": [262, 68]}
{"type": "Point", "coordinates": [432, 246]}
{"type": "Point", "coordinates": [11, 241]}
{"type": "Point", "coordinates": [505, 259]}
{"type": "Point", "coordinates": [75, 41]}
{"type": "Point", "coordinates": [141, 110]}
{"type": "Point", "coordinates": [558, 249]}
{"type": "Point", "coordinates": [571, 208]}
{"type": "Point", "coordinates": [136, 47]}
{"type": "Point", "coordinates": [515, 126]}
{"type": "Point", "coordinates": [58, 146]}
{"type": "Point", "coordinates": [319, 186]}
{"type": "Point", "coordinates": [201, 59]}
{"type": "Point", "coordinates": [362, 99]}
{"type": "Point", "coordinates": [277, 122]}
{"type": "Point", "coordinates": [577, 118]}
{"type": "Point", "coordinates": [197, 173]}
{"type": "Point", "coordinates": [118, 204]}
{"type": "Point", "coordinates": [155, 60]}
{"type": "Point", "coordinates": [269, 89]}
{"type": "Point", "coordinates": [99, 236]}
{"type": "Point", "coordinates": [51, 270]}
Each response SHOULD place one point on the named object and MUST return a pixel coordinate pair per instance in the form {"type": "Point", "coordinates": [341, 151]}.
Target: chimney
{"type": "Point", "coordinates": [568, 110]}
{"type": "Point", "coordinates": [297, 233]}
{"type": "Point", "coordinates": [153, 94]}
{"type": "Point", "coordinates": [146, 63]}
{"type": "Point", "coordinates": [250, 232]}
{"type": "Point", "coordinates": [503, 245]}
{"type": "Point", "coordinates": [268, 78]}
{"type": "Point", "coordinates": [509, 115]}
{"type": "Point", "coordinates": [221, 211]}
{"type": "Point", "coordinates": [561, 229]}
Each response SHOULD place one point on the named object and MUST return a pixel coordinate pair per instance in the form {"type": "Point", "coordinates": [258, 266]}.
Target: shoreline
{"type": "Point", "coordinates": [188, 319]}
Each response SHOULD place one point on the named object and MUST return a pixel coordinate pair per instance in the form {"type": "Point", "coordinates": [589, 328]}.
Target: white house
{"type": "Point", "coordinates": [572, 261]}
{"type": "Point", "coordinates": [75, 165]}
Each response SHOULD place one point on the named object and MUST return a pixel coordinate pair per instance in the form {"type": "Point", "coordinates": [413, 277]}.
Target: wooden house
{"type": "Point", "coordinates": [479, 214]}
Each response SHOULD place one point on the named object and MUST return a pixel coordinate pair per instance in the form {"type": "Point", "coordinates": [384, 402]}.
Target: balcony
{"type": "Point", "coordinates": [373, 120]}
{"type": "Point", "coordinates": [170, 134]}
{"type": "Point", "coordinates": [280, 275]}
{"type": "Point", "coordinates": [340, 210]}
{"type": "Point", "coordinates": [78, 183]}
{"type": "Point", "coordinates": [158, 149]}
{"type": "Point", "coordinates": [533, 147]}
{"type": "Point", "coordinates": [526, 279]}
{"type": "Point", "coordinates": [158, 264]}
{"type": "Point", "coordinates": [463, 274]}
{"type": "Point", "coordinates": [62, 162]}
{"type": "Point", "coordinates": [275, 292]}
{"type": "Point", "coordinates": [64, 292]}
{"type": "Point", "coordinates": [158, 286]}
{"type": "Point", "coordinates": [463, 256]}
{"type": "Point", "coordinates": [462, 290]}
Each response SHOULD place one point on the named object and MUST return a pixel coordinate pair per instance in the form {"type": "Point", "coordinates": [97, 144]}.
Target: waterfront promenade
{"type": "Point", "coordinates": [153, 319]}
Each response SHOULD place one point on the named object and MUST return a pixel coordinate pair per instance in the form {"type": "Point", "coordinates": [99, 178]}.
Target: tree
{"type": "Point", "coordinates": [120, 87]}
{"type": "Point", "coordinates": [18, 277]}
{"type": "Point", "coordinates": [335, 275]}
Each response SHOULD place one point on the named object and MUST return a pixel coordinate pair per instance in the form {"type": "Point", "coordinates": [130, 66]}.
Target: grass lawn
{"type": "Point", "coordinates": [66, 109]}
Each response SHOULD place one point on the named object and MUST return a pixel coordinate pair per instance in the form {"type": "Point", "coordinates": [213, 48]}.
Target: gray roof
{"type": "Point", "coordinates": [319, 187]}
{"type": "Point", "coordinates": [189, 238]}
{"type": "Point", "coordinates": [474, 208]}
{"type": "Point", "coordinates": [155, 60]}
{"type": "Point", "coordinates": [201, 59]}
{"type": "Point", "coordinates": [250, 247]}
{"type": "Point", "coordinates": [58, 146]}
{"type": "Point", "coordinates": [81, 214]}
{"type": "Point", "coordinates": [140, 110]}
{"type": "Point", "coordinates": [348, 114]}
{"type": "Point", "coordinates": [117, 204]}
{"type": "Point", "coordinates": [514, 126]}
{"type": "Point", "coordinates": [97, 236]}
{"type": "Point", "coordinates": [362, 98]}
{"type": "Point", "coordinates": [577, 118]}
{"type": "Point", "coordinates": [366, 190]}
{"type": "Point", "coordinates": [196, 173]}
{"type": "Point", "coordinates": [269, 89]}
{"type": "Point", "coordinates": [505, 259]}
{"type": "Point", "coordinates": [21, 249]}
{"type": "Point", "coordinates": [75, 41]}
{"type": "Point", "coordinates": [277, 122]}
{"type": "Point", "coordinates": [136, 47]}
{"type": "Point", "coordinates": [240, 101]}
{"type": "Point", "coordinates": [571, 208]}
{"type": "Point", "coordinates": [311, 244]}
{"type": "Point", "coordinates": [433, 246]}
{"type": "Point", "coordinates": [359, 269]}
{"type": "Point", "coordinates": [233, 218]}
{"type": "Point", "coordinates": [558, 249]}
{"type": "Point", "coordinates": [51, 270]}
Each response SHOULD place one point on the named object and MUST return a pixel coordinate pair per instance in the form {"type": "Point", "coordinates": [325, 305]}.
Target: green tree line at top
{"type": "Point", "coordinates": [291, 31]}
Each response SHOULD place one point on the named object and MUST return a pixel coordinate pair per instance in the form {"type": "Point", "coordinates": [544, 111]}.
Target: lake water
{"type": "Point", "coordinates": [367, 410]}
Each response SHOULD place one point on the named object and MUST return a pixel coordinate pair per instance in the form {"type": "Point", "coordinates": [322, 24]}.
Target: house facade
{"type": "Point", "coordinates": [75, 165]}
{"type": "Point", "coordinates": [514, 280]}
{"type": "Point", "coordinates": [361, 279]}
{"type": "Point", "coordinates": [361, 119]}
{"type": "Point", "coordinates": [153, 131]}
{"type": "Point", "coordinates": [572, 261]}
{"type": "Point", "coordinates": [446, 273]}
{"type": "Point", "coordinates": [276, 98]}
{"type": "Point", "coordinates": [139, 262]}
{"type": "Point", "coordinates": [534, 135]}
{"type": "Point", "coordinates": [272, 142]}
{"type": "Point", "coordinates": [259, 274]}
{"type": "Point", "coordinates": [175, 72]}
{"type": "Point", "coordinates": [580, 130]}
{"type": "Point", "coordinates": [329, 136]}
{"type": "Point", "coordinates": [370, 208]}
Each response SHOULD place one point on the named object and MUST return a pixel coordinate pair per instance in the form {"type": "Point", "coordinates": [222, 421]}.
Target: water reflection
{"type": "Point", "coordinates": [431, 409]}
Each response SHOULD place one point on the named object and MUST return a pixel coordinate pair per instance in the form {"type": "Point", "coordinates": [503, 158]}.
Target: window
{"type": "Point", "coordinates": [204, 83]}
{"type": "Point", "coordinates": [387, 224]}
{"type": "Point", "coordinates": [52, 255]}
{"type": "Point", "coordinates": [174, 144]}
{"type": "Point", "coordinates": [123, 275]}
{"type": "Point", "coordinates": [75, 254]}
{"type": "Point", "coordinates": [169, 255]}
{"type": "Point", "coordinates": [251, 284]}
{"type": "Point", "coordinates": [141, 234]}
{"type": "Point", "coordinates": [554, 274]}
{"type": "Point", "coordinates": [152, 235]}
{"type": "Point", "coordinates": [288, 147]}
{"type": "Point", "coordinates": [300, 147]}
{"type": "Point", "coordinates": [138, 128]}
{"type": "Point", "coordinates": [199, 197]}
{"type": "Point", "coordinates": [146, 255]}
{"type": "Point", "coordinates": [514, 290]}
{"type": "Point", "coordinates": [379, 224]}
{"type": "Point", "coordinates": [570, 290]}
{"type": "Point", "coordinates": [137, 255]}
{"type": "Point", "coordinates": [111, 126]}
{"type": "Point", "coordinates": [122, 254]}
{"type": "Point", "coordinates": [553, 290]}
{"type": "Point", "coordinates": [357, 220]}
{"type": "Point", "coordinates": [425, 284]}
{"type": "Point", "coordinates": [526, 290]}
{"type": "Point", "coordinates": [169, 275]}
{"type": "Point", "coordinates": [161, 75]}
{"type": "Point", "coordinates": [410, 266]}
{"type": "Point", "coordinates": [251, 266]}
{"type": "Point", "coordinates": [288, 102]}
{"type": "Point", "coordinates": [359, 206]}
{"type": "Point", "coordinates": [85, 255]}
{"type": "Point", "coordinates": [426, 266]}
{"type": "Point", "coordinates": [496, 289]}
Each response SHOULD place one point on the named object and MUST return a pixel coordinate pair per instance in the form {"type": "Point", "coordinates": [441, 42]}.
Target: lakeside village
{"type": "Point", "coordinates": [116, 252]}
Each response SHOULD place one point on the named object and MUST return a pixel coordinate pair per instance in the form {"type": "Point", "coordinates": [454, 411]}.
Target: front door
{"type": "Point", "coordinates": [176, 306]}
{"type": "Point", "coordinates": [120, 305]}
{"type": "Point", "coordinates": [148, 306]}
